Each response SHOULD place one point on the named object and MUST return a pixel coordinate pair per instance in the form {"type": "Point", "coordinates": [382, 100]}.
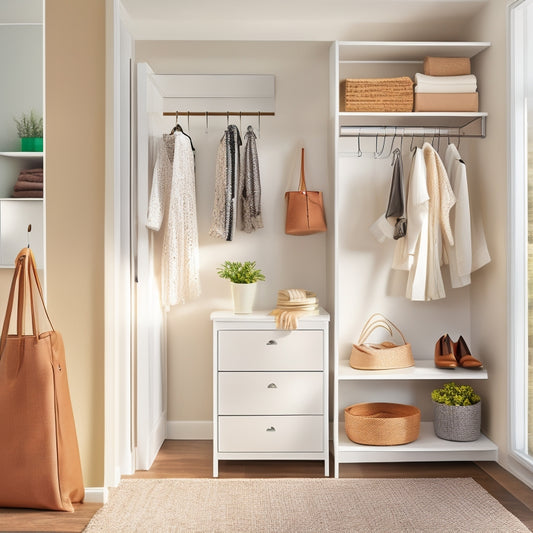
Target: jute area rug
{"type": "Point", "coordinates": [303, 505]}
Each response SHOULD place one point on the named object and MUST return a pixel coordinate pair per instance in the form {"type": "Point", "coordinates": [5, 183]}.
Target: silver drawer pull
{"type": "Point", "coordinates": [271, 428]}
{"type": "Point", "coordinates": [272, 386]}
{"type": "Point", "coordinates": [272, 342]}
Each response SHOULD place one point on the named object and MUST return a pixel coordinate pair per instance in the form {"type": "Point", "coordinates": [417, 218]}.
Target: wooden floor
{"type": "Point", "coordinates": [193, 459]}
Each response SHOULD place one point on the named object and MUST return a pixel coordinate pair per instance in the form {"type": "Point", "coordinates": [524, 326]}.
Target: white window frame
{"type": "Point", "coordinates": [518, 235]}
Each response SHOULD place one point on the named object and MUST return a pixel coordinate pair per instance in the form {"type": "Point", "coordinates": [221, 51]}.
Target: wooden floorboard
{"type": "Point", "coordinates": [193, 459]}
{"type": "Point", "coordinates": [36, 520]}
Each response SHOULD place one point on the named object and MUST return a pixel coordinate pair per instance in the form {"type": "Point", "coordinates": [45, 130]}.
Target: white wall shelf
{"type": "Point", "coordinates": [428, 447]}
{"type": "Point", "coordinates": [404, 51]}
{"type": "Point", "coordinates": [424, 369]}
{"type": "Point", "coordinates": [23, 155]}
{"type": "Point", "coordinates": [469, 124]}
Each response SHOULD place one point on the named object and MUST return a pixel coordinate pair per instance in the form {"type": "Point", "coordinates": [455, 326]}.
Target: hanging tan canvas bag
{"type": "Point", "coordinates": [380, 356]}
{"type": "Point", "coordinates": [39, 457]}
{"type": "Point", "coordinates": [305, 209]}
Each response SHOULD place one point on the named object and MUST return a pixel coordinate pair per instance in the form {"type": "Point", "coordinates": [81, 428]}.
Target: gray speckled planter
{"type": "Point", "coordinates": [457, 422]}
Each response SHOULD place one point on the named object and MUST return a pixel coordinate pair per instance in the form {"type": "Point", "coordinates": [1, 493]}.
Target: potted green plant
{"type": "Point", "coordinates": [30, 131]}
{"type": "Point", "coordinates": [456, 412]}
{"type": "Point", "coordinates": [243, 278]}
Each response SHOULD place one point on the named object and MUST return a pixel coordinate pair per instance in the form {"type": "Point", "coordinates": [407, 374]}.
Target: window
{"type": "Point", "coordinates": [521, 229]}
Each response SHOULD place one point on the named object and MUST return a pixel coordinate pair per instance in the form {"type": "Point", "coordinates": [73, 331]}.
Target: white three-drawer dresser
{"type": "Point", "coordinates": [270, 388]}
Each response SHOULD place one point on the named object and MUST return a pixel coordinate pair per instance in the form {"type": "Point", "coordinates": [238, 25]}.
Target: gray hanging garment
{"type": "Point", "coordinates": [396, 205]}
{"type": "Point", "coordinates": [249, 197]}
{"type": "Point", "coordinates": [233, 143]}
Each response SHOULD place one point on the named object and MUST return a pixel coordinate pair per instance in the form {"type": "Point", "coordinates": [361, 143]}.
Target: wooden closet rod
{"type": "Point", "coordinates": [219, 113]}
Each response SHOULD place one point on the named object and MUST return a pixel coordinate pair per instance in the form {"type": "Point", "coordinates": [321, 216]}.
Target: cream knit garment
{"type": "Point", "coordinates": [293, 304]}
{"type": "Point", "coordinates": [174, 194]}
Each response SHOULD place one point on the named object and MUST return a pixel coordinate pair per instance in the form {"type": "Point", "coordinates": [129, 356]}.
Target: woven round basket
{"type": "Point", "coordinates": [382, 424]}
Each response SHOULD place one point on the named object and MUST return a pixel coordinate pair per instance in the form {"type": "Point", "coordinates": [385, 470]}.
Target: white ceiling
{"type": "Point", "coordinates": [317, 20]}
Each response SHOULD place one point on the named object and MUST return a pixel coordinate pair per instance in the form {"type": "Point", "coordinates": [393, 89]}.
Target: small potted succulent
{"type": "Point", "coordinates": [456, 412]}
{"type": "Point", "coordinates": [243, 278]}
{"type": "Point", "coordinates": [30, 131]}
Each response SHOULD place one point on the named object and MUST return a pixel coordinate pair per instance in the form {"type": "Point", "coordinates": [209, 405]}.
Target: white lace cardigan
{"type": "Point", "coordinates": [173, 193]}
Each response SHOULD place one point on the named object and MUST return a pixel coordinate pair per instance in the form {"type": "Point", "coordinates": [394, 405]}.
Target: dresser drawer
{"type": "Point", "coordinates": [270, 434]}
{"type": "Point", "coordinates": [270, 393]}
{"type": "Point", "coordinates": [270, 350]}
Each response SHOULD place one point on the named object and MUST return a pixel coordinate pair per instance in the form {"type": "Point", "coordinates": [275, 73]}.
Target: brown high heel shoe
{"type": "Point", "coordinates": [463, 356]}
{"type": "Point", "coordinates": [444, 355]}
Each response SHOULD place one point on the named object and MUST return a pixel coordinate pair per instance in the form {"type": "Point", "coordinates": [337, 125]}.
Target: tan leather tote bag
{"type": "Point", "coordinates": [39, 457]}
{"type": "Point", "coordinates": [305, 209]}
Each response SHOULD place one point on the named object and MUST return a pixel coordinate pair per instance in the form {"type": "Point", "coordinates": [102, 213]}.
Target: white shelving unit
{"type": "Point", "coordinates": [387, 59]}
{"type": "Point", "coordinates": [16, 214]}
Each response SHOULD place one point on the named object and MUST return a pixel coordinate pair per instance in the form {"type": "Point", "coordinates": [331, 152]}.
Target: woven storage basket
{"type": "Point", "coordinates": [380, 356]}
{"type": "Point", "coordinates": [382, 424]}
{"type": "Point", "coordinates": [377, 94]}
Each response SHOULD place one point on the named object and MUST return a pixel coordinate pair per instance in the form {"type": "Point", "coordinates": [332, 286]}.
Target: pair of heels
{"type": "Point", "coordinates": [449, 354]}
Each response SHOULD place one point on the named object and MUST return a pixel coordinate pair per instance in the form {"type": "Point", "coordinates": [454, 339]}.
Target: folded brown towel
{"type": "Point", "coordinates": [27, 194]}
{"type": "Point", "coordinates": [31, 176]}
{"type": "Point", "coordinates": [38, 170]}
{"type": "Point", "coordinates": [22, 185]}
{"type": "Point", "coordinates": [446, 66]}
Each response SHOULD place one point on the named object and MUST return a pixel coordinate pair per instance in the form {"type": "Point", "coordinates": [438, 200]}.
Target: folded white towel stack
{"type": "Point", "coordinates": [445, 84]}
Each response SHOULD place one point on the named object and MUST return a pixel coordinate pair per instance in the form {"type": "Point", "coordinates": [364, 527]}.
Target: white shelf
{"type": "Point", "coordinates": [405, 51]}
{"type": "Point", "coordinates": [428, 447]}
{"type": "Point", "coordinates": [415, 119]}
{"type": "Point", "coordinates": [23, 155]}
{"type": "Point", "coordinates": [424, 369]}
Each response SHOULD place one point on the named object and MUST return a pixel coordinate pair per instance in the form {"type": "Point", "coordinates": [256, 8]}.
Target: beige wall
{"type": "Point", "coordinates": [74, 166]}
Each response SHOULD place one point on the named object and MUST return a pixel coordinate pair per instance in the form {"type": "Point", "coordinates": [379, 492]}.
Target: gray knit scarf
{"type": "Point", "coordinates": [249, 197]}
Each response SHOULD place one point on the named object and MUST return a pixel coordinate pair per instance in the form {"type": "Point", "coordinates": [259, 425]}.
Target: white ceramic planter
{"type": "Point", "coordinates": [243, 297]}
{"type": "Point", "coordinates": [457, 422]}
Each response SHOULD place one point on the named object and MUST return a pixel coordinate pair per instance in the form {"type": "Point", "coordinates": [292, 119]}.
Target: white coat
{"type": "Point", "coordinates": [173, 193]}
{"type": "Point", "coordinates": [469, 251]}
{"type": "Point", "coordinates": [416, 240]}
{"type": "Point", "coordinates": [441, 200]}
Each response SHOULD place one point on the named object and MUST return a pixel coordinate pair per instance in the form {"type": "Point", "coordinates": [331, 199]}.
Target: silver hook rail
{"type": "Point", "coordinates": [413, 131]}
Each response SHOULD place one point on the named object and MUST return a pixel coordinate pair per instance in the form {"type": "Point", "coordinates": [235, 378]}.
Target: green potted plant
{"type": "Point", "coordinates": [456, 412]}
{"type": "Point", "coordinates": [30, 131]}
{"type": "Point", "coordinates": [243, 278]}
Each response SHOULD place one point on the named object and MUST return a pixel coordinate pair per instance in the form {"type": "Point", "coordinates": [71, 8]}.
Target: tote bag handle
{"type": "Point", "coordinates": [24, 278]}
{"type": "Point", "coordinates": [302, 187]}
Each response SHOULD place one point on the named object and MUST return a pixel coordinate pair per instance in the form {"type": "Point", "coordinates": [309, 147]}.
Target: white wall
{"type": "Point", "coordinates": [301, 71]}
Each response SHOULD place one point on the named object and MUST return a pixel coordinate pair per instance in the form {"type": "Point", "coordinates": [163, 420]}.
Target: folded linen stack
{"type": "Point", "coordinates": [446, 85]}
{"type": "Point", "coordinates": [293, 304]}
{"type": "Point", "coordinates": [377, 94]}
{"type": "Point", "coordinates": [29, 184]}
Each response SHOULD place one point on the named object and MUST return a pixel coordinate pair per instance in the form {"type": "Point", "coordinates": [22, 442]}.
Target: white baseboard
{"type": "Point", "coordinates": [95, 495]}
{"type": "Point", "coordinates": [190, 430]}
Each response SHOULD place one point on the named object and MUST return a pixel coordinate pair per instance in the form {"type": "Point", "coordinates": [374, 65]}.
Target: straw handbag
{"type": "Point", "coordinates": [305, 209]}
{"type": "Point", "coordinates": [385, 355]}
{"type": "Point", "coordinates": [40, 463]}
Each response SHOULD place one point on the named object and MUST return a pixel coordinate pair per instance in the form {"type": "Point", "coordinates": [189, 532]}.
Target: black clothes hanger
{"type": "Point", "coordinates": [177, 127]}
